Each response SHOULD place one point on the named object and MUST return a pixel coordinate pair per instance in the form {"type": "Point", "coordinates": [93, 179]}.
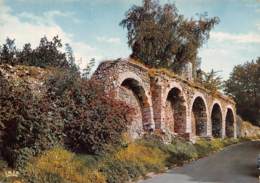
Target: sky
{"type": "Point", "coordinates": [92, 28]}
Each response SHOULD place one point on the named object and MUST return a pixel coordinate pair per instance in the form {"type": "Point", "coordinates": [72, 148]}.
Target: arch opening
{"type": "Point", "coordinates": [230, 123]}
{"type": "Point", "coordinates": [175, 111]}
{"type": "Point", "coordinates": [216, 119]}
{"type": "Point", "coordinates": [199, 117]}
{"type": "Point", "coordinates": [132, 92]}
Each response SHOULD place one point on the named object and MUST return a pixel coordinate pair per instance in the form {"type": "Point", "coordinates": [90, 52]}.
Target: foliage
{"type": "Point", "coordinates": [59, 165]}
{"type": "Point", "coordinates": [115, 171]}
{"type": "Point", "coordinates": [95, 119]}
{"type": "Point", "coordinates": [126, 163]}
{"type": "Point", "coordinates": [205, 147]}
{"type": "Point", "coordinates": [212, 81]}
{"type": "Point", "coordinates": [69, 110]}
{"type": "Point", "coordinates": [152, 158]}
{"type": "Point", "coordinates": [244, 86]}
{"type": "Point", "coordinates": [46, 54]}
{"type": "Point", "coordinates": [181, 151]}
{"type": "Point", "coordinates": [28, 125]}
{"type": "Point", "coordinates": [161, 37]}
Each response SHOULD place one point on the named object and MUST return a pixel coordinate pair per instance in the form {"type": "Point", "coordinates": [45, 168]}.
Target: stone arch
{"type": "Point", "coordinates": [216, 119]}
{"type": "Point", "coordinates": [199, 115]}
{"type": "Point", "coordinates": [230, 122]}
{"type": "Point", "coordinates": [132, 91]}
{"type": "Point", "coordinates": [175, 109]}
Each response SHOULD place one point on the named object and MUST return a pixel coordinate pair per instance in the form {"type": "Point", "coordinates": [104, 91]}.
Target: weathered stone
{"type": "Point", "coordinates": [167, 102]}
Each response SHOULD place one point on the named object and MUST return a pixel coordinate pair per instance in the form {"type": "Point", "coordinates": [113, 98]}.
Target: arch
{"type": "Point", "coordinates": [199, 117]}
{"type": "Point", "coordinates": [216, 120]}
{"type": "Point", "coordinates": [129, 75]}
{"type": "Point", "coordinates": [134, 94]}
{"type": "Point", "coordinates": [230, 122]}
{"type": "Point", "coordinates": [175, 111]}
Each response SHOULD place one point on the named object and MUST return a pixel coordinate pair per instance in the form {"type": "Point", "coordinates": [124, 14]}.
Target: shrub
{"type": "Point", "coordinates": [230, 141]}
{"type": "Point", "coordinates": [59, 165]}
{"type": "Point", "coordinates": [216, 144]}
{"type": "Point", "coordinates": [181, 151]}
{"type": "Point", "coordinates": [203, 147]}
{"type": "Point", "coordinates": [151, 158]}
{"type": "Point", "coordinates": [29, 125]}
{"type": "Point", "coordinates": [95, 119]}
{"type": "Point", "coordinates": [115, 171]}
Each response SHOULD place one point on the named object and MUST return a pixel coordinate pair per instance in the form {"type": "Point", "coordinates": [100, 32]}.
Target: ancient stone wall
{"type": "Point", "coordinates": [167, 102]}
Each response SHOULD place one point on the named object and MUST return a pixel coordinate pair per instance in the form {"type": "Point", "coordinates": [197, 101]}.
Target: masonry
{"type": "Point", "coordinates": [168, 103]}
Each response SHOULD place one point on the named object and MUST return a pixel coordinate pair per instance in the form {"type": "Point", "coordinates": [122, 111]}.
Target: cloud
{"type": "Point", "coordinates": [30, 28]}
{"type": "Point", "coordinates": [238, 38]}
{"type": "Point", "coordinates": [110, 40]}
{"type": "Point", "coordinates": [258, 26]}
{"type": "Point", "coordinates": [47, 17]}
{"type": "Point", "coordinates": [223, 56]}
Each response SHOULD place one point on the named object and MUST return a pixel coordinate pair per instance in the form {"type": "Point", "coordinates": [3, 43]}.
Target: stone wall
{"type": "Point", "coordinates": [167, 102]}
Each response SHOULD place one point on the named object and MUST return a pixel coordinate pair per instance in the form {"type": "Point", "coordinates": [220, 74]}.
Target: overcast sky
{"type": "Point", "coordinates": [91, 27]}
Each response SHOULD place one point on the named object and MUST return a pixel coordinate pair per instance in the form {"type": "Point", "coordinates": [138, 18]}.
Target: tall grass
{"type": "Point", "coordinates": [126, 163]}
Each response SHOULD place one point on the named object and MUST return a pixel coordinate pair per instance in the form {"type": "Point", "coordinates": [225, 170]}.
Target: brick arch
{"type": "Point", "coordinates": [132, 90]}
{"type": "Point", "coordinates": [216, 116]}
{"type": "Point", "coordinates": [229, 122]}
{"type": "Point", "coordinates": [199, 115]}
{"type": "Point", "coordinates": [175, 109]}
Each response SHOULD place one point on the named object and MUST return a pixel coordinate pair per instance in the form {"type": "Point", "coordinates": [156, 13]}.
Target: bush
{"type": "Point", "coordinates": [230, 141]}
{"type": "Point", "coordinates": [132, 161]}
{"type": "Point", "coordinates": [181, 151]}
{"type": "Point", "coordinates": [203, 147]}
{"type": "Point", "coordinates": [29, 125]}
{"type": "Point", "coordinates": [217, 144]}
{"type": "Point", "coordinates": [152, 158]}
{"type": "Point", "coordinates": [59, 165]}
{"type": "Point", "coordinates": [115, 171]}
{"type": "Point", "coordinates": [95, 119]}
{"type": "Point", "coordinates": [69, 109]}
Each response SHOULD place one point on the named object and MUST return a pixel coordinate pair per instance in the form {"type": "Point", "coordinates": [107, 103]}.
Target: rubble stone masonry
{"type": "Point", "coordinates": [168, 103]}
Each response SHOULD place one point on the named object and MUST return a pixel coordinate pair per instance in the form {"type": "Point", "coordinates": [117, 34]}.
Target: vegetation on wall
{"type": "Point", "coordinates": [161, 37]}
{"type": "Point", "coordinates": [210, 80]}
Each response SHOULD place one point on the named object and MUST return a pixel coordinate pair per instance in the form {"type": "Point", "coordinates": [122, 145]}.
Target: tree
{"type": "Point", "coordinates": [8, 52]}
{"type": "Point", "coordinates": [161, 37]}
{"type": "Point", "coordinates": [47, 54]}
{"type": "Point", "coordinates": [212, 81]}
{"type": "Point", "coordinates": [244, 86]}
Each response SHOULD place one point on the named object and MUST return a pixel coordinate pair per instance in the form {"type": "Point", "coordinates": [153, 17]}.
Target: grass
{"type": "Point", "coordinates": [129, 162]}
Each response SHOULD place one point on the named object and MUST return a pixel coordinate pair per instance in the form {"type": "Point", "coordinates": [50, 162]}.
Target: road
{"type": "Point", "coordinates": [235, 164]}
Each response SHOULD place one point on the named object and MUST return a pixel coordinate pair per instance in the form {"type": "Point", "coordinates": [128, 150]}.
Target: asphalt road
{"type": "Point", "coordinates": [235, 164]}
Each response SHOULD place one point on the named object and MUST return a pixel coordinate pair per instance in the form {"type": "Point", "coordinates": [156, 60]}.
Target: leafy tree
{"type": "Point", "coordinates": [47, 54]}
{"type": "Point", "coordinates": [8, 52]}
{"type": "Point", "coordinates": [161, 37]}
{"type": "Point", "coordinates": [212, 81]}
{"type": "Point", "coordinates": [244, 86]}
{"type": "Point", "coordinates": [26, 55]}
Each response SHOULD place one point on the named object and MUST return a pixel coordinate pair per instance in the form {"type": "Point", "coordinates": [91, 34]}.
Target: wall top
{"type": "Point", "coordinates": [161, 73]}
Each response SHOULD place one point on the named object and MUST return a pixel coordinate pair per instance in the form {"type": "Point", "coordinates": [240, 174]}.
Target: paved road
{"type": "Point", "coordinates": [235, 164]}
